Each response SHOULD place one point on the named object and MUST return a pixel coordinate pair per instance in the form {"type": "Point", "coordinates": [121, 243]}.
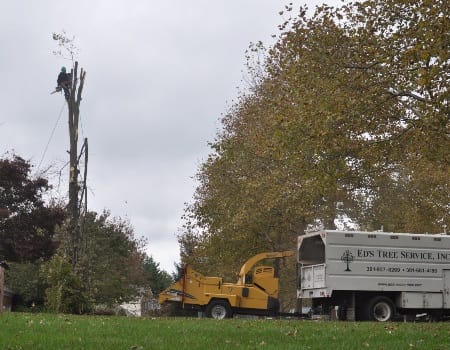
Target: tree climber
{"type": "Point", "coordinates": [64, 81]}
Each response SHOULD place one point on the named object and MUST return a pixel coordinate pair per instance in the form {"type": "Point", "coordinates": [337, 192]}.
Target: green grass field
{"type": "Point", "coordinates": [46, 331]}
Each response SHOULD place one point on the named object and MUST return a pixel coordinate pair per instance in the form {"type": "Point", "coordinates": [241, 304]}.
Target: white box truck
{"type": "Point", "coordinates": [375, 275]}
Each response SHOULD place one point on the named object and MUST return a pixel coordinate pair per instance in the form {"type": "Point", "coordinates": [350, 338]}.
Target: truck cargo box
{"type": "Point", "coordinates": [413, 270]}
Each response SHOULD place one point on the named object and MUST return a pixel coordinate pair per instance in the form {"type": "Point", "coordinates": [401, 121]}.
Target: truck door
{"type": "Point", "coordinates": [446, 277]}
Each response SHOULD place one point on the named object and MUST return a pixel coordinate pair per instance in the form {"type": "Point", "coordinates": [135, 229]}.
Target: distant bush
{"type": "Point", "coordinates": [65, 294]}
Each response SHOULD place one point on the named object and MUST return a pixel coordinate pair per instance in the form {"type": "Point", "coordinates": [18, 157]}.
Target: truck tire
{"type": "Point", "coordinates": [380, 309]}
{"type": "Point", "coordinates": [219, 309]}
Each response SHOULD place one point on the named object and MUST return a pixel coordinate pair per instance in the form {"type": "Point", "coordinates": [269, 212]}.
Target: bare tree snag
{"type": "Point", "coordinates": [74, 189]}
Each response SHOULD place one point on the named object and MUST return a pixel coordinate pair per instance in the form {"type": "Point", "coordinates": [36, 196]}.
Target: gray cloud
{"type": "Point", "coordinates": [159, 75]}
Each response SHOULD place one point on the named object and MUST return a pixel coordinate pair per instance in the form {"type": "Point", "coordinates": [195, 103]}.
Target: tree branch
{"type": "Point", "coordinates": [361, 67]}
{"type": "Point", "coordinates": [401, 93]}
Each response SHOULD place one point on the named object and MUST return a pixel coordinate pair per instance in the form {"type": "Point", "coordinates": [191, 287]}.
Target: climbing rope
{"type": "Point", "coordinates": [51, 135]}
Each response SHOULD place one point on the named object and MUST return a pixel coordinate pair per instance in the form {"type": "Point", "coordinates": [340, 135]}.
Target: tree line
{"type": "Point", "coordinates": [345, 122]}
{"type": "Point", "coordinates": [34, 239]}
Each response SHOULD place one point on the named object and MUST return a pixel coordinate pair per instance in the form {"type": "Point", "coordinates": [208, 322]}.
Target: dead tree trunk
{"type": "Point", "coordinates": [82, 207]}
{"type": "Point", "coordinates": [73, 102]}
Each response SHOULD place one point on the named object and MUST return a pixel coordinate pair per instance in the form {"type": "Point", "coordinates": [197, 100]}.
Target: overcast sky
{"type": "Point", "coordinates": [159, 76]}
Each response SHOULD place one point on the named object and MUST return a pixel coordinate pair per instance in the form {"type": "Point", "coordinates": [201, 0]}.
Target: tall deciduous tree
{"type": "Point", "coordinates": [27, 231]}
{"type": "Point", "coordinates": [409, 59]}
{"type": "Point", "coordinates": [349, 115]}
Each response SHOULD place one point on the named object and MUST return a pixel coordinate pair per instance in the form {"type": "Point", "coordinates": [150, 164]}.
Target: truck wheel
{"type": "Point", "coordinates": [380, 309]}
{"type": "Point", "coordinates": [218, 309]}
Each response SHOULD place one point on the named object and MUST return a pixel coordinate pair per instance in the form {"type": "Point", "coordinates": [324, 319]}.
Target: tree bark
{"type": "Point", "coordinates": [74, 188]}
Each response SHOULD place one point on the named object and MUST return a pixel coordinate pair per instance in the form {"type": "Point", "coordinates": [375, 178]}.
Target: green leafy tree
{"type": "Point", "coordinates": [109, 270]}
{"type": "Point", "coordinates": [65, 292]}
{"type": "Point", "coordinates": [157, 279]}
{"type": "Point", "coordinates": [28, 285]}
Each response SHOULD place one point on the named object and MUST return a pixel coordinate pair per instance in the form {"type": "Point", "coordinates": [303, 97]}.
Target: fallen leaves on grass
{"type": "Point", "coordinates": [292, 333]}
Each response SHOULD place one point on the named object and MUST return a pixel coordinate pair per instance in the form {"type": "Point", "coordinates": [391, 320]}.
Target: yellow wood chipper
{"type": "Point", "coordinates": [255, 292]}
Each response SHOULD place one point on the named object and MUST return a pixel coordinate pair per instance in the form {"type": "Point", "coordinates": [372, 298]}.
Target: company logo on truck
{"type": "Point", "coordinates": [347, 258]}
{"type": "Point", "coordinates": [403, 255]}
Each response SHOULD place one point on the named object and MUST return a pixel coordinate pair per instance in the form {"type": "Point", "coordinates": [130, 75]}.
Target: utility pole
{"type": "Point", "coordinates": [73, 103]}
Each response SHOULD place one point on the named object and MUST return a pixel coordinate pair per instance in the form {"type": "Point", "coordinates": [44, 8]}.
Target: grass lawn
{"type": "Point", "coordinates": [47, 331]}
